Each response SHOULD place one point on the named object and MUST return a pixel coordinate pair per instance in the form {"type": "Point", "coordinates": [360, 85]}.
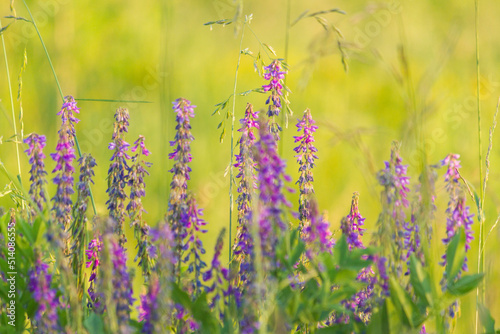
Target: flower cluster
{"type": "Point", "coordinates": [40, 281]}
{"type": "Point", "coordinates": [317, 232]}
{"type": "Point", "coordinates": [194, 223]}
{"type": "Point", "coordinates": [395, 200]}
{"type": "Point", "coordinates": [138, 171]}
{"type": "Point", "coordinates": [92, 253]}
{"type": "Point", "coordinates": [458, 213]}
{"type": "Point", "coordinates": [306, 155]}
{"type": "Point", "coordinates": [79, 226]}
{"type": "Point", "coordinates": [218, 275]}
{"type": "Point", "coordinates": [352, 225]}
{"type": "Point", "coordinates": [275, 74]}
{"type": "Point", "coordinates": [271, 178]}
{"type": "Point", "coordinates": [243, 246]}
{"type": "Point", "coordinates": [148, 310]}
{"type": "Point", "coordinates": [35, 152]}
{"type": "Point", "coordinates": [64, 156]}
{"type": "Point", "coordinates": [118, 172]}
{"type": "Point", "coordinates": [122, 283]}
{"type": "Point", "coordinates": [178, 187]}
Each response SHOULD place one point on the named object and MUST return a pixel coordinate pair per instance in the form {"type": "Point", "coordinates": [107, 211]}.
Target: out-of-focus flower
{"type": "Point", "coordinates": [118, 173]}
{"type": "Point", "coordinates": [35, 153]}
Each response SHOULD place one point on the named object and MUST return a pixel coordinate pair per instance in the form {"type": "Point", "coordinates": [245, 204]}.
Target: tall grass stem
{"type": "Point", "coordinates": [14, 124]}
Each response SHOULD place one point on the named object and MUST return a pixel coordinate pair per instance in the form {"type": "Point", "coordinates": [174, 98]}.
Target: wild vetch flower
{"type": "Point", "coordinates": [178, 187]}
{"type": "Point", "coordinates": [459, 218]}
{"type": "Point", "coordinates": [122, 284]}
{"type": "Point", "coordinates": [359, 304]}
{"type": "Point", "coordinates": [138, 171]}
{"type": "Point", "coordinates": [394, 199]}
{"type": "Point", "coordinates": [243, 246]}
{"type": "Point", "coordinates": [218, 275]}
{"type": "Point", "coordinates": [194, 224]}
{"type": "Point", "coordinates": [35, 152]}
{"type": "Point", "coordinates": [317, 232]}
{"type": "Point", "coordinates": [352, 225]}
{"type": "Point", "coordinates": [79, 226]}
{"type": "Point", "coordinates": [452, 177]}
{"type": "Point", "coordinates": [64, 156]}
{"type": "Point", "coordinates": [458, 213]}
{"type": "Point", "coordinates": [118, 172]}
{"type": "Point", "coordinates": [381, 263]}
{"type": "Point", "coordinates": [306, 154]}
{"type": "Point", "coordinates": [423, 209]}
{"type": "Point", "coordinates": [93, 255]}
{"type": "Point", "coordinates": [275, 74]}
{"type": "Point", "coordinates": [271, 178]}
{"type": "Point", "coordinates": [40, 281]}
{"type": "Point", "coordinates": [149, 313]}
{"type": "Point", "coordinates": [163, 250]}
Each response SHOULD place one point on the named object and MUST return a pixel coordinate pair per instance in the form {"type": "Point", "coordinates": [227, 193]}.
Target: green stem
{"type": "Point", "coordinates": [60, 91]}
{"type": "Point", "coordinates": [287, 42]}
{"type": "Point", "coordinates": [18, 140]}
{"type": "Point", "coordinates": [480, 258]}
{"type": "Point", "coordinates": [231, 202]}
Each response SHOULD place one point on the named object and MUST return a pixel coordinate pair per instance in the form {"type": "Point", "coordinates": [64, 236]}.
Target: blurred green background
{"type": "Point", "coordinates": [160, 50]}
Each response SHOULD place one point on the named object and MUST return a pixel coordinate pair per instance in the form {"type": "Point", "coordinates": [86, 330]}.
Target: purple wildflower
{"type": "Point", "coordinates": [64, 156]}
{"type": "Point", "coordinates": [395, 201]}
{"type": "Point", "coordinates": [118, 172]}
{"type": "Point", "coordinates": [148, 310]}
{"type": "Point", "coordinates": [459, 218]}
{"type": "Point", "coordinates": [163, 250]}
{"type": "Point", "coordinates": [352, 225]}
{"type": "Point", "coordinates": [122, 283]}
{"type": "Point", "coordinates": [381, 263]}
{"type": "Point", "coordinates": [271, 178]}
{"type": "Point", "coordinates": [458, 213]}
{"type": "Point", "coordinates": [93, 260]}
{"type": "Point", "coordinates": [243, 246]}
{"type": "Point", "coordinates": [180, 171]}
{"type": "Point", "coordinates": [79, 226]}
{"type": "Point", "coordinates": [194, 223]}
{"type": "Point", "coordinates": [218, 275]}
{"type": "Point", "coordinates": [317, 231]}
{"type": "Point", "coordinates": [138, 171]}
{"type": "Point", "coordinates": [275, 74]}
{"type": "Point", "coordinates": [45, 319]}
{"type": "Point", "coordinates": [35, 152]}
{"type": "Point", "coordinates": [306, 154]}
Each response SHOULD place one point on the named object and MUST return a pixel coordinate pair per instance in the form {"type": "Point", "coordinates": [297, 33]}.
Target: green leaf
{"type": "Point", "coordinates": [465, 284]}
{"type": "Point", "coordinates": [379, 322]}
{"type": "Point", "coordinates": [408, 310]}
{"type": "Point", "coordinates": [94, 323]}
{"type": "Point", "coordinates": [203, 315]}
{"type": "Point", "coordinates": [181, 297]}
{"type": "Point", "coordinates": [487, 320]}
{"type": "Point", "coordinates": [455, 255]}
{"type": "Point", "coordinates": [421, 282]}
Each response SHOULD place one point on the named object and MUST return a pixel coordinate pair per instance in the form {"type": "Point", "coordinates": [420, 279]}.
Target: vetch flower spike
{"type": "Point", "coordinates": [118, 173]}
{"type": "Point", "coordinates": [35, 153]}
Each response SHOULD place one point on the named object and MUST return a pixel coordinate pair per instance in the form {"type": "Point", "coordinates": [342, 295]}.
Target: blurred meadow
{"type": "Point", "coordinates": [411, 73]}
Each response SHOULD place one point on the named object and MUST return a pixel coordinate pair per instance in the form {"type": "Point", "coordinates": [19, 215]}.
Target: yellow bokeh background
{"type": "Point", "coordinates": [158, 51]}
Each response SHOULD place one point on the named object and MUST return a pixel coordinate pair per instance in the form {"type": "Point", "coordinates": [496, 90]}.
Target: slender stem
{"type": "Point", "coordinates": [60, 91]}
{"type": "Point", "coordinates": [231, 202]}
{"type": "Point", "coordinates": [260, 42]}
{"type": "Point", "coordinates": [287, 43]}
{"type": "Point", "coordinates": [18, 140]}
{"type": "Point", "coordinates": [480, 257]}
